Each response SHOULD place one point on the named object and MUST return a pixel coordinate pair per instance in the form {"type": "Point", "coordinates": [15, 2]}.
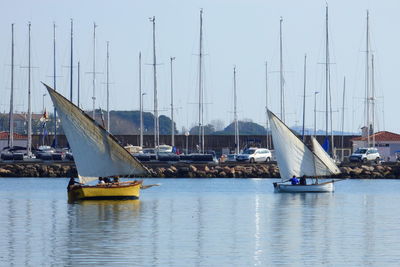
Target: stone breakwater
{"type": "Point", "coordinates": [199, 171]}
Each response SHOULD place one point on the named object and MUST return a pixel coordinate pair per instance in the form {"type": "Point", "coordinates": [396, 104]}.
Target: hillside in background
{"type": "Point", "coordinates": [128, 122]}
{"type": "Point", "coordinates": [245, 128]}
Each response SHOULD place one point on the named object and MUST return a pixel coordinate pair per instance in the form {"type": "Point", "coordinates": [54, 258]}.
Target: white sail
{"type": "Point", "coordinates": [293, 156]}
{"type": "Point", "coordinates": [329, 167]}
{"type": "Point", "coordinates": [96, 152]}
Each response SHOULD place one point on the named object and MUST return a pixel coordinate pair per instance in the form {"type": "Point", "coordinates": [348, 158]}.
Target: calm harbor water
{"type": "Point", "coordinates": [201, 222]}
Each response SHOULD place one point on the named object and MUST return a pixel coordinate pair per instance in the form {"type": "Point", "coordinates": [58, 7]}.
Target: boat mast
{"type": "Point", "coordinates": [281, 71]}
{"type": "Point", "coordinates": [94, 71]}
{"type": "Point", "coordinates": [201, 93]}
{"type": "Point", "coordinates": [266, 104]}
{"type": "Point", "coordinates": [140, 99]}
{"type": "Point", "coordinates": [237, 147]}
{"type": "Point", "coordinates": [304, 95]}
{"type": "Point", "coordinates": [79, 82]}
{"type": "Point", "coordinates": [11, 117]}
{"type": "Point", "coordinates": [29, 146]}
{"type": "Point", "coordinates": [367, 89]}
{"type": "Point", "coordinates": [156, 123]}
{"type": "Point", "coordinates": [327, 78]}
{"type": "Point", "coordinates": [342, 130]}
{"type": "Point", "coordinates": [71, 61]}
{"type": "Point", "coordinates": [54, 84]}
{"type": "Point", "coordinates": [372, 99]}
{"type": "Point", "coordinates": [172, 107]}
{"type": "Point", "coordinates": [108, 89]}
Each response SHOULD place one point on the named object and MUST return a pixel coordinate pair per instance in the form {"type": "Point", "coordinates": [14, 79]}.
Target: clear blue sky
{"type": "Point", "coordinates": [244, 33]}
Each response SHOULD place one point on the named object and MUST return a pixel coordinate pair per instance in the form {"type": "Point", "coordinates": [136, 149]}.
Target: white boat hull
{"type": "Point", "coordinates": [321, 188]}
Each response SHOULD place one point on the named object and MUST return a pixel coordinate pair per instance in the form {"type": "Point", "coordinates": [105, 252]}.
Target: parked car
{"type": "Point", "coordinates": [255, 154]}
{"type": "Point", "coordinates": [231, 158]}
{"type": "Point", "coordinates": [365, 155]}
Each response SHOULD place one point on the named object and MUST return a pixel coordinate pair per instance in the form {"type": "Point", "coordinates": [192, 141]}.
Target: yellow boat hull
{"type": "Point", "coordinates": [123, 190]}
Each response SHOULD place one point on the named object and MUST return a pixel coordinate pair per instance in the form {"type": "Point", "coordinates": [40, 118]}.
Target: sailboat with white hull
{"type": "Point", "coordinates": [97, 154]}
{"type": "Point", "coordinates": [295, 158]}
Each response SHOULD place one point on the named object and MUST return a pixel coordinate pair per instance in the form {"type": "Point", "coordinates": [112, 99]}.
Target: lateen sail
{"type": "Point", "coordinates": [96, 152]}
{"type": "Point", "coordinates": [326, 159]}
{"type": "Point", "coordinates": [293, 156]}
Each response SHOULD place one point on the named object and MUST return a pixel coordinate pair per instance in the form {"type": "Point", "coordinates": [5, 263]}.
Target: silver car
{"type": "Point", "coordinates": [255, 154]}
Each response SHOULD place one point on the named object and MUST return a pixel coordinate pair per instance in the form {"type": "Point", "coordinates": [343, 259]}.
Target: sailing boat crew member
{"type": "Point", "coordinates": [71, 183]}
{"type": "Point", "coordinates": [294, 180]}
{"type": "Point", "coordinates": [303, 180]}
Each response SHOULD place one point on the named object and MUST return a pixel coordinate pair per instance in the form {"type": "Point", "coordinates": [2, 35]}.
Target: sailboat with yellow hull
{"type": "Point", "coordinates": [97, 153]}
{"type": "Point", "coordinates": [122, 190]}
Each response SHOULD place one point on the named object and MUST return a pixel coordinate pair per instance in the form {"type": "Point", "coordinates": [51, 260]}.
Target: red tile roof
{"type": "Point", "coordinates": [380, 137]}
{"type": "Point", "coordinates": [4, 136]}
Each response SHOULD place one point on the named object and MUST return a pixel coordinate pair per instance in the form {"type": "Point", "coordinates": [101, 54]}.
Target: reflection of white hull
{"type": "Point", "coordinates": [323, 187]}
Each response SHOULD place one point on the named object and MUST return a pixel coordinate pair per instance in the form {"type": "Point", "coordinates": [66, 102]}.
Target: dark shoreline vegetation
{"type": "Point", "coordinates": [186, 170]}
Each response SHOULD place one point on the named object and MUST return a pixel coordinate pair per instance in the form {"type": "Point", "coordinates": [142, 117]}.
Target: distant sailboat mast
{"type": "Point", "coordinates": [367, 81]}
{"type": "Point", "coordinates": [29, 146]}
{"type": "Point", "coordinates": [266, 105]}
{"type": "Point", "coordinates": [79, 82]}
{"type": "Point", "coordinates": [71, 61]}
{"type": "Point", "coordinates": [237, 145]}
{"type": "Point", "coordinates": [108, 89]}
{"type": "Point", "coordinates": [11, 118]}
{"type": "Point", "coordinates": [281, 78]}
{"type": "Point", "coordinates": [156, 123]}
{"type": "Point", "coordinates": [140, 99]}
{"type": "Point", "coordinates": [327, 80]}
{"type": "Point", "coordinates": [329, 144]}
{"type": "Point", "coordinates": [172, 106]}
{"type": "Point", "coordinates": [54, 84]}
{"type": "Point", "coordinates": [373, 99]}
{"type": "Point", "coordinates": [94, 71]}
{"type": "Point", "coordinates": [201, 91]}
{"type": "Point", "coordinates": [304, 95]}
{"type": "Point", "coordinates": [342, 130]}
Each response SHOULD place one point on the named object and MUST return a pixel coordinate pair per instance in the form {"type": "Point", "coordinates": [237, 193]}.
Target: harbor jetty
{"type": "Point", "coordinates": [189, 170]}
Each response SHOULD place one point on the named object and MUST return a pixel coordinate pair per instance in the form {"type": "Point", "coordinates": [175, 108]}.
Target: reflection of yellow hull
{"type": "Point", "coordinates": [123, 190]}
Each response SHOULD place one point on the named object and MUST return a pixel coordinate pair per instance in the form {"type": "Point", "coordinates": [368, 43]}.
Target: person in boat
{"type": "Point", "coordinates": [101, 180]}
{"type": "Point", "coordinates": [107, 180]}
{"type": "Point", "coordinates": [71, 183]}
{"type": "Point", "coordinates": [303, 180]}
{"type": "Point", "coordinates": [115, 180]}
{"type": "Point", "coordinates": [294, 180]}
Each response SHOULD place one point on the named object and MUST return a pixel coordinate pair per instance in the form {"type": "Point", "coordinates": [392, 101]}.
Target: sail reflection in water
{"type": "Point", "coordinates": [200, 222]}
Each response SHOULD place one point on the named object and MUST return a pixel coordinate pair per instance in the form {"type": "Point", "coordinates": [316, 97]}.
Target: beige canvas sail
{"type": "Point", "coordinates": [96, 152]}
{"type": "Point", "coordinates": [293, 156]}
